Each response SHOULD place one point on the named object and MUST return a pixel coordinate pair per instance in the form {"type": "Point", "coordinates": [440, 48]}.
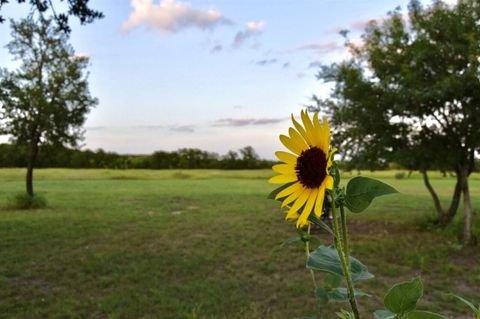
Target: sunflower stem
{"type": "Point", "coordinates": [307, 252]}
{"type": "Point", "coordinates": [341, 244]}
{"type": "Point", "coordinates": [346, 247]}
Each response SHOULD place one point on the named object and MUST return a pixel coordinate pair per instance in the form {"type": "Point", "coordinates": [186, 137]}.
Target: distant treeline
{"type": "Point", "coordinates": [49, 156]}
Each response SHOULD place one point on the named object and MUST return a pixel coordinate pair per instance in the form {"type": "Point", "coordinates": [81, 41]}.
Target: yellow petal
{"type": "Point", "coordinates": [320, 134]}
{"type": "Point", "coordinates": [298, 203]}
{"type": "Point", "coordinates": [319, 202]}
{"type": "Point", "coordinates": [308, 127]}
{"type": "Point", "coordinates": [284, 169]}
{"type": "Point", "coordinates": [290, 144]}
{"type": "Point", "coordinates": [289, 190]}
{"type": "Point", "coordinates": [302, 131]}
{"type": "Point", "coordinates": [328, 182]}
{"type": "Point", "coordinates": [292, 215]}
{"type": "Point", "coordinates": [293, 196]}
{"type": "Point", "coordinates": [303, 219]}
{"type": "Point", "coordinates": [326, 126]}
{"type": "Point", "coordinates": [282, 179]}
{"type": "Point", "coordinates": [298, 139]}
{"type": "Point", "coordinates": [286, 157]}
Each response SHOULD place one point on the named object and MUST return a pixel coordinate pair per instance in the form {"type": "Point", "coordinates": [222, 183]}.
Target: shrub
{"type": "Point", "coordinates": [25, 201]}
{"type": "Point", "coordinates": [399, 175]}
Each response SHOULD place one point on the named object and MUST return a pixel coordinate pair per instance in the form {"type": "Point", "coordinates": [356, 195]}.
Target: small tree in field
{"type": "Point", "coordinates": [44, 101]}
{"type": "Point", "coordinates": [411, 93]}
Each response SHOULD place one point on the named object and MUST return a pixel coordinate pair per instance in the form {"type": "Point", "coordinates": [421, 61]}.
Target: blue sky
{"type": "Point", "coordinates": [215, 75]}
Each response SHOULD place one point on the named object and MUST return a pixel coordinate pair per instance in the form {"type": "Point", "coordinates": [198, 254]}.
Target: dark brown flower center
{"type": "Point", "coordinates": [311, 167]}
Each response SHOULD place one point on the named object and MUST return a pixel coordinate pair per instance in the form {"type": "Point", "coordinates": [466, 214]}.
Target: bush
{"type": "Point", "coordinates": [399, 175]}
{"type": "Point", "coordinates": [25, 201]}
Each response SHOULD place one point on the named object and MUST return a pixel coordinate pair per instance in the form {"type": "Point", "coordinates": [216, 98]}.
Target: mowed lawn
{"type": "Point", "coordinates": [207, 244]}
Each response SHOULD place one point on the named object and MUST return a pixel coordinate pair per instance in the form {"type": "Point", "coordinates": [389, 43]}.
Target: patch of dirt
{"type": "Point", "coordinates": [187, 209]}
{"type": "Point", "coordinates": [130, 200]}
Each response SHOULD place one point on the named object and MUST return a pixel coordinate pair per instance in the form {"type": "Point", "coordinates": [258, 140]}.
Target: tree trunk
{"type": "Point", "coordinates": [448, 216]}
{"type": "Point", "coordinates": [436, 200]}
{"type": "Point", "coordinates": [467, 209]}
{"type": "Point", "coordinates": [31, 163]}
{"type": "Point", "coordinates": [445, 217]}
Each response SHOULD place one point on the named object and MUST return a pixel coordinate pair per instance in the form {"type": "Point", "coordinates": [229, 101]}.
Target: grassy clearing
{"type": "Point", "coordinates": [206, 244]}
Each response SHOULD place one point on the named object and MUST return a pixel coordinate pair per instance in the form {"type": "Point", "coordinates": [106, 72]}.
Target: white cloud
{"type": "Point", "coordinates": [171, 16]}
{"type": "Point", "coordinates": [252, 29]}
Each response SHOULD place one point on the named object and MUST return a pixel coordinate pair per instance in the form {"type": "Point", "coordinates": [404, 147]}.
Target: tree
{"type": "Point", "coordinates": [44, 101]}
{"type": "Point", "coordinates": [411, 93]}
{"type": "Point", "coordinates": [249, 157]}
{"type": "Point", "coordinates": [77, 8]}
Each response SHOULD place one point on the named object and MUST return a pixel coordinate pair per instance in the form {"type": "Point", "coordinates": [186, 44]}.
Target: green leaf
{"type": "Point", "coordinates": [332, 281]}
{"type": "Point", "coordinates": [322, 296]}
{"type": "Point", "coordinates": [469, 304]}
{"type": "Point", "coordinates": [277, 190]}
{"type": "Point", "coordinates": [335, 173]}
{"type": "Point", "coordinates": [326, 294]}
{"type": "Point", "coordinates": [320, 223]}
{"type": "Point", "coordinates": [383, 314]}
{"type": "Point", "coordinates": [326, 259]}
{"type": "Point", "coordinates": [290, 241]}
{"type": "Point", "coordinates": [362, 190]}
{"type": "Point", "coordinates": [403, 297]}
{"type": "Point", "coordinates": [344, 314]}
{"type": "Point", "coordinates": [420, 314]}
{"type": "Point", "coordinates": [341, 294]}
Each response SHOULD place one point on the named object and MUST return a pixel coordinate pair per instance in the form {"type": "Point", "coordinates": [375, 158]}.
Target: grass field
{"type": "Point", "coordinates": [206, 244]}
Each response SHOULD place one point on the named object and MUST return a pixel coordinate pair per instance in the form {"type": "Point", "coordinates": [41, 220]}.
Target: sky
{"type": "Point", "coordinates": [216, 75]}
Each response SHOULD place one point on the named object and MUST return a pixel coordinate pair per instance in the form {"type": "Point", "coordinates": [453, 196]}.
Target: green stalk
{"type": "Point", "coordinates": [307, 251]}
{"type": "Point", "coordinates": [341, 244]}
{"type": "Point", "coordinates": [346, 248]}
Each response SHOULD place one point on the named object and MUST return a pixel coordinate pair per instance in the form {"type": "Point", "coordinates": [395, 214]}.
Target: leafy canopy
{"type": "Point", "coordinates": [44, 101]}
{"type": "Point", "coordinates": [411, 90]}
{"type": "Point", "coordinates": [77, 8]}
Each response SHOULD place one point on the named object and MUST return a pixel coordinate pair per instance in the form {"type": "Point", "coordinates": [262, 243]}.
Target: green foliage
{"type": "Point", "coordinates": [410, 91]}
{"type": "Point", "coordinates": [399, 175]}
{"type": "Point", "coordinates": [401, 302]}
{"type": "Point", "coordinates": [320, 223]}
{"type": "Point", "coordinates": [12, 155]}
{"type": "Point", "coordinates": [344, 314]}
{"type": "Point", "coordinates": [77, 8]}
{"type": "Point", "coordinates": [302, 236]}
{"type": "Point", "coordinates": [383, 314]}
{"type": "Point", "coordinates": [476, 310]}
{"type": "Point", "coordinates": [420, 314]}
{"type": "Point", "coordinates": [409, 94]}
{"type": "Point", "coordinates": [362, 190]}
{"type": "Point", "coordinates": [325, 295]}
{"type": "Point", "coordinates": [326, 259]}
{"type": "Point", "coordinates": [332, 292]}
{"type": "Point", "coordinates": [25, 201]}
{"type": "Point", "coordinates": [403, 297]}
{"type": "Point", "coordinates": [45, 100]}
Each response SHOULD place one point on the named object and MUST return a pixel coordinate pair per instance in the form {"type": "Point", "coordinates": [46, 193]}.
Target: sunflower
{"type": "Point", "coordinates": [304, 171]}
